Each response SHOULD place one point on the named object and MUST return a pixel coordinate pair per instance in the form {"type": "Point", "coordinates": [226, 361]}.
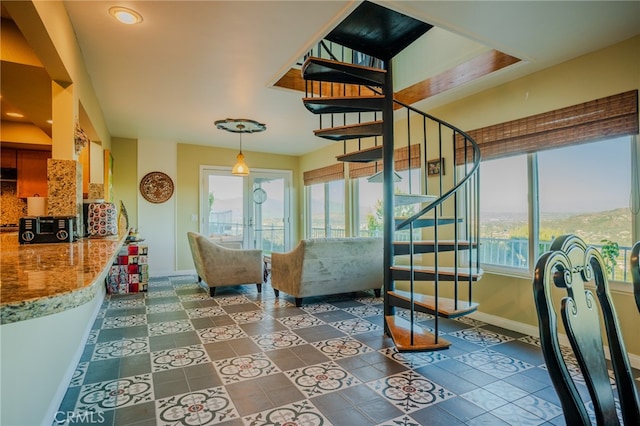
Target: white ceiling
{"type": "Point", "coordinates": [193, 62]}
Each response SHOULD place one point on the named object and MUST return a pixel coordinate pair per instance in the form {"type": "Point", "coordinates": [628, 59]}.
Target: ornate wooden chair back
{"type": "Point", "coordinates": [635, 272]}
{"type": "Point", "coordinates": [565, 268]}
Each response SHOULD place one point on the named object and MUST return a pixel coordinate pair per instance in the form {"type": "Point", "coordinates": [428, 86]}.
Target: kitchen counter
{"type": "Point", "coordinates": [42, 279]}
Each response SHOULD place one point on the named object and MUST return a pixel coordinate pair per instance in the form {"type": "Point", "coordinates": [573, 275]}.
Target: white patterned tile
{"type": "Point", "coordinates": [341, 347]}
{"type": "Point", "coordinates": [164, 307]}
{"type": "Point", "coordinates": [126, 303]}
{"type": "Point", "coordinates": [116, 393]}
{"type": "Point", "coordinates": [403, 420]}
{"type": "Point", "coordinates": [409, 391]}
{"type": "Point", "coordinates": [124, 321]}
{"type": "Point", "coordinates": [170, 327]}
{"type": "Point", "coordinates": [208, 311]}
{"type": "Point", "coordinates": [355, 326]}
{"type": "Point", "coordinates": [194, 297]}
{"type": "Point", "coordinates": [300, 321]}
{"type": "Point", "coordinates": [275, 303]}
{"type": "Point", "coordinates": [484, 399]}
{"type": "Point", "coordinates": [218, 334]}
{"type": "Point", "coordinates": [321, 379]}
{"type": "Point", "coordinates": [539, 407]}
{"type": "Point", "coordinates": [364, 311]}
{"type": "Point", "coordinates": [79, 374]}
{"type": "Point", "coordinates": [120, 348]}
{"type": "Point", "coordinates": [161, 293]}
{"type": "Point", "coordinates": [298, 413]}
{"type": "Point", "coordinates": [278, 340]}
{"type": "Point", "coordinates": [231, 300]}
{"type": "Point", "coordinates": [232, 370]}
{"type": "Point", "coordinates": [315, 308]}
{"type": "Point", "coordinates": [481, 336]}
{"type": "Point", "coordinates": [203, 407]}
{"type": "Point", "coordinates": [370, 300]}
{"type": "Point", "coordinates": [494, 363]}
{"type": "Point", "coordinates": [187, 356]}
{"type": "Point", "coordinates": [417, 316]}
{"type": "Point", "coordinates": [505, 390]}
{"type": "Point", "coordinates": [515, 415]}
{"type": "Point", "coordinates": [249, 316]}
{"type": "Point", "coordinates": [92, 338]}
{"type": "Point", "coordinates": [413, 359]}
{"type": "Point", "coordinates": [470, 321]}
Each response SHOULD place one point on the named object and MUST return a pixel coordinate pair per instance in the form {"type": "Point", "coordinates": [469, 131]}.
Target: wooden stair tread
{"type": "Point", "coordinates": [446, 307]}
{"type": "Point", "coordinates": [344, 104]}
{"type": "Point", "coordinates": [351, 131]}
{"type": "Point", "coordinates": [363, 156]}
{"type": "Point", "coordinates": [320, 69]}
{"type": "Point", "coordinates": [422, 247]}
{"type": "Point", "coordinates": [446, 273]}
{"type": "Point", "coordinates": [423, 340]}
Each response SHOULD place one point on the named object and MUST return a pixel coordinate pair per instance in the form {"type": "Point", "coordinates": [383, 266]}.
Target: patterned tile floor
{"type": "Point", "coordinates": [175, 356]}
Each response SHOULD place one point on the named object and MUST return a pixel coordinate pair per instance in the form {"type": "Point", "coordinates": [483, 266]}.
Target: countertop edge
{"type": "Point", "coordinates": [48, 305]}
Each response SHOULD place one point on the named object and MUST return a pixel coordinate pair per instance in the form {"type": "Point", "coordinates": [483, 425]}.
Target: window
{"type": "Point", "coordinates": [324, 192]}
{"type": "Point", "coordinates": [581, 189]}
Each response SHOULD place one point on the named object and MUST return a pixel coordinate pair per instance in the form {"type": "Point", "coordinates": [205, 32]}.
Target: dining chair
{"type": "Point", "coordinates": [566, 268]}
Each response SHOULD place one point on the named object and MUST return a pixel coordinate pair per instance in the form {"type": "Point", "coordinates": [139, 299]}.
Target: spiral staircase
{"type": "Point", "coordinates": [431, 255]}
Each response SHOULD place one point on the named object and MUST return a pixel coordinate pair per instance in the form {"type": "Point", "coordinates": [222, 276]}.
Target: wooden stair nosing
{"type": "Point", "coordinates": [426, 303]}
{"type": "Point", "coordinates": [363, 156]}
{"type": "Point", "coordinates": [424, 247]}
{"type": "Point", "coordinates": [428, 273]}
{"type": "Point", "coordinates": [423, 340]}
{"type": "Point", "coordinates": [351, 131]}
{"type": "Point", "coordinates": [344, 104]}
{"type": "Point", "coordinates": [319, 69]}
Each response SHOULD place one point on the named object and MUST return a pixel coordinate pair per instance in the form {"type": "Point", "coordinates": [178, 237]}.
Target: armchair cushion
{"type": "Point", "coordinates": [220, 266]}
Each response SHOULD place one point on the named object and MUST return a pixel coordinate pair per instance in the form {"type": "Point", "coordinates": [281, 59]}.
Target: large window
{"type": "Point", "coordinates": [582, 189]}
{"type": "Point", "coordinates": [326, 209]}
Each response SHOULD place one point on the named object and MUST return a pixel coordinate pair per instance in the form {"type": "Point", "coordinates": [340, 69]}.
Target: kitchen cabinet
{"type": "Point", "coordinates": [32, 173]}
{"type": "Point", "coordinates": [8, 158]}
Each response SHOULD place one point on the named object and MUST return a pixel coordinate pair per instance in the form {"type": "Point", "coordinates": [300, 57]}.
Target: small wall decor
{"type": "Point", "coordinates": [81, 139]}
{"type": "Point", "coordinates": [435, 167]}
{"type": "Point", "coordinates": [156, 187]}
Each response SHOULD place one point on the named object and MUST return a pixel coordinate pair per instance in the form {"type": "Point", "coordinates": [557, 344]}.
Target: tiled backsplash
{"type": "Point", "coordinates": [12, 208]}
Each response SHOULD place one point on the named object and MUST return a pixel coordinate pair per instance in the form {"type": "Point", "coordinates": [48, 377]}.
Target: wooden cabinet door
{"type": "Point", "coordinates": [8, 158]}
{"type": "Point", "coordinates": [32, 173]}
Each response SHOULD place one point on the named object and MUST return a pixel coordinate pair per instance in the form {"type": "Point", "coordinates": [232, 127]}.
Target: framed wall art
{"type": "Point", "coordinates": [435, 166]}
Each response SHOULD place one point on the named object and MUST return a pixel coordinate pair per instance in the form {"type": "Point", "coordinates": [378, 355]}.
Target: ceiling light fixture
{"type": "Point", "coordinates": [241, 126]}
{"type": "Point", "coordinates": [15, 115]}
{"type": "Point", "coordinates": [125, 15]}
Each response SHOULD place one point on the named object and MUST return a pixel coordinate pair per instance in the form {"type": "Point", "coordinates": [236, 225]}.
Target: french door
{"type": "Point", "coordinates": [248, 212]}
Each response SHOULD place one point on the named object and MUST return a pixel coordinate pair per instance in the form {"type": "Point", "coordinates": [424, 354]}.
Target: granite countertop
{"type": "Point", "coordinates": [42, 279]}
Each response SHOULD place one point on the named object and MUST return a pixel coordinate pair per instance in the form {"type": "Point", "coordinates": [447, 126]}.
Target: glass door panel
{"type": "Point", "coordinates": [251, 211]}
{"type": "Point", "coordinates": [224, 215]}
{"type": "Point", "coordinates": [270, 206]}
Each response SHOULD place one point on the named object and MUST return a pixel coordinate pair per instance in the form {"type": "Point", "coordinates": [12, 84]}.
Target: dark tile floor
{"type": "Point", "coordinates": [175, 356]}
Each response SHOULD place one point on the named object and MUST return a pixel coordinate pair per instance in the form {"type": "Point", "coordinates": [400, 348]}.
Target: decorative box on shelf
{"type": "Point", "coordinates": [130, 270]}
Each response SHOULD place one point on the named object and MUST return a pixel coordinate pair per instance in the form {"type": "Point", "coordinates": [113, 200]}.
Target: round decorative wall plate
{"type": "Point", "coordinates": [156, 187]}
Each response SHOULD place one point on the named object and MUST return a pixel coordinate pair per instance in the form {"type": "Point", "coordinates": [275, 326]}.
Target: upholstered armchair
{"type": "Point", "coordinates": [220, 266]}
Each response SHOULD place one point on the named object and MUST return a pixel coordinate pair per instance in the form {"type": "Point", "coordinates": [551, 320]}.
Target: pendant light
{"type": "Point", "coordinates": [241, 126]}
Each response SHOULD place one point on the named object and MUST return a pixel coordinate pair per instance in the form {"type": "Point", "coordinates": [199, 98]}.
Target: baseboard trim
{"type": "Point", "coordinates": [531, 330]}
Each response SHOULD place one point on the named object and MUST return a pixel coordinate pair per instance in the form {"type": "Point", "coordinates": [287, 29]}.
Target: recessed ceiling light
{"type": "Point", "coordinates": [15, 114]}
{"type": "Point", "coordinates": [125, 15]}
{"type": "Point", "coordinates": [50, 121]}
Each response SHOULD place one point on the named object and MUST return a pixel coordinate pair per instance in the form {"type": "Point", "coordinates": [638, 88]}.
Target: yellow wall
{"type": "Point", "coordinates": [125, 175]}
{"type": "Point", "coordinates": [603, 73]}
{"type": "Point", "coordinates": [190, 159]}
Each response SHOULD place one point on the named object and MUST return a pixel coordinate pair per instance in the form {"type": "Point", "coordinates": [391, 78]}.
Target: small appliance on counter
{"type": "Point", "coordinates": [47, 229]}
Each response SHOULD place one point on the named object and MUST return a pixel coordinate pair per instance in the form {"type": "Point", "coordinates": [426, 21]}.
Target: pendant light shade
{"type": "Point", "coordinates": [240, 126]}
{"type": "Point", "coordinates": [240, 168]}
